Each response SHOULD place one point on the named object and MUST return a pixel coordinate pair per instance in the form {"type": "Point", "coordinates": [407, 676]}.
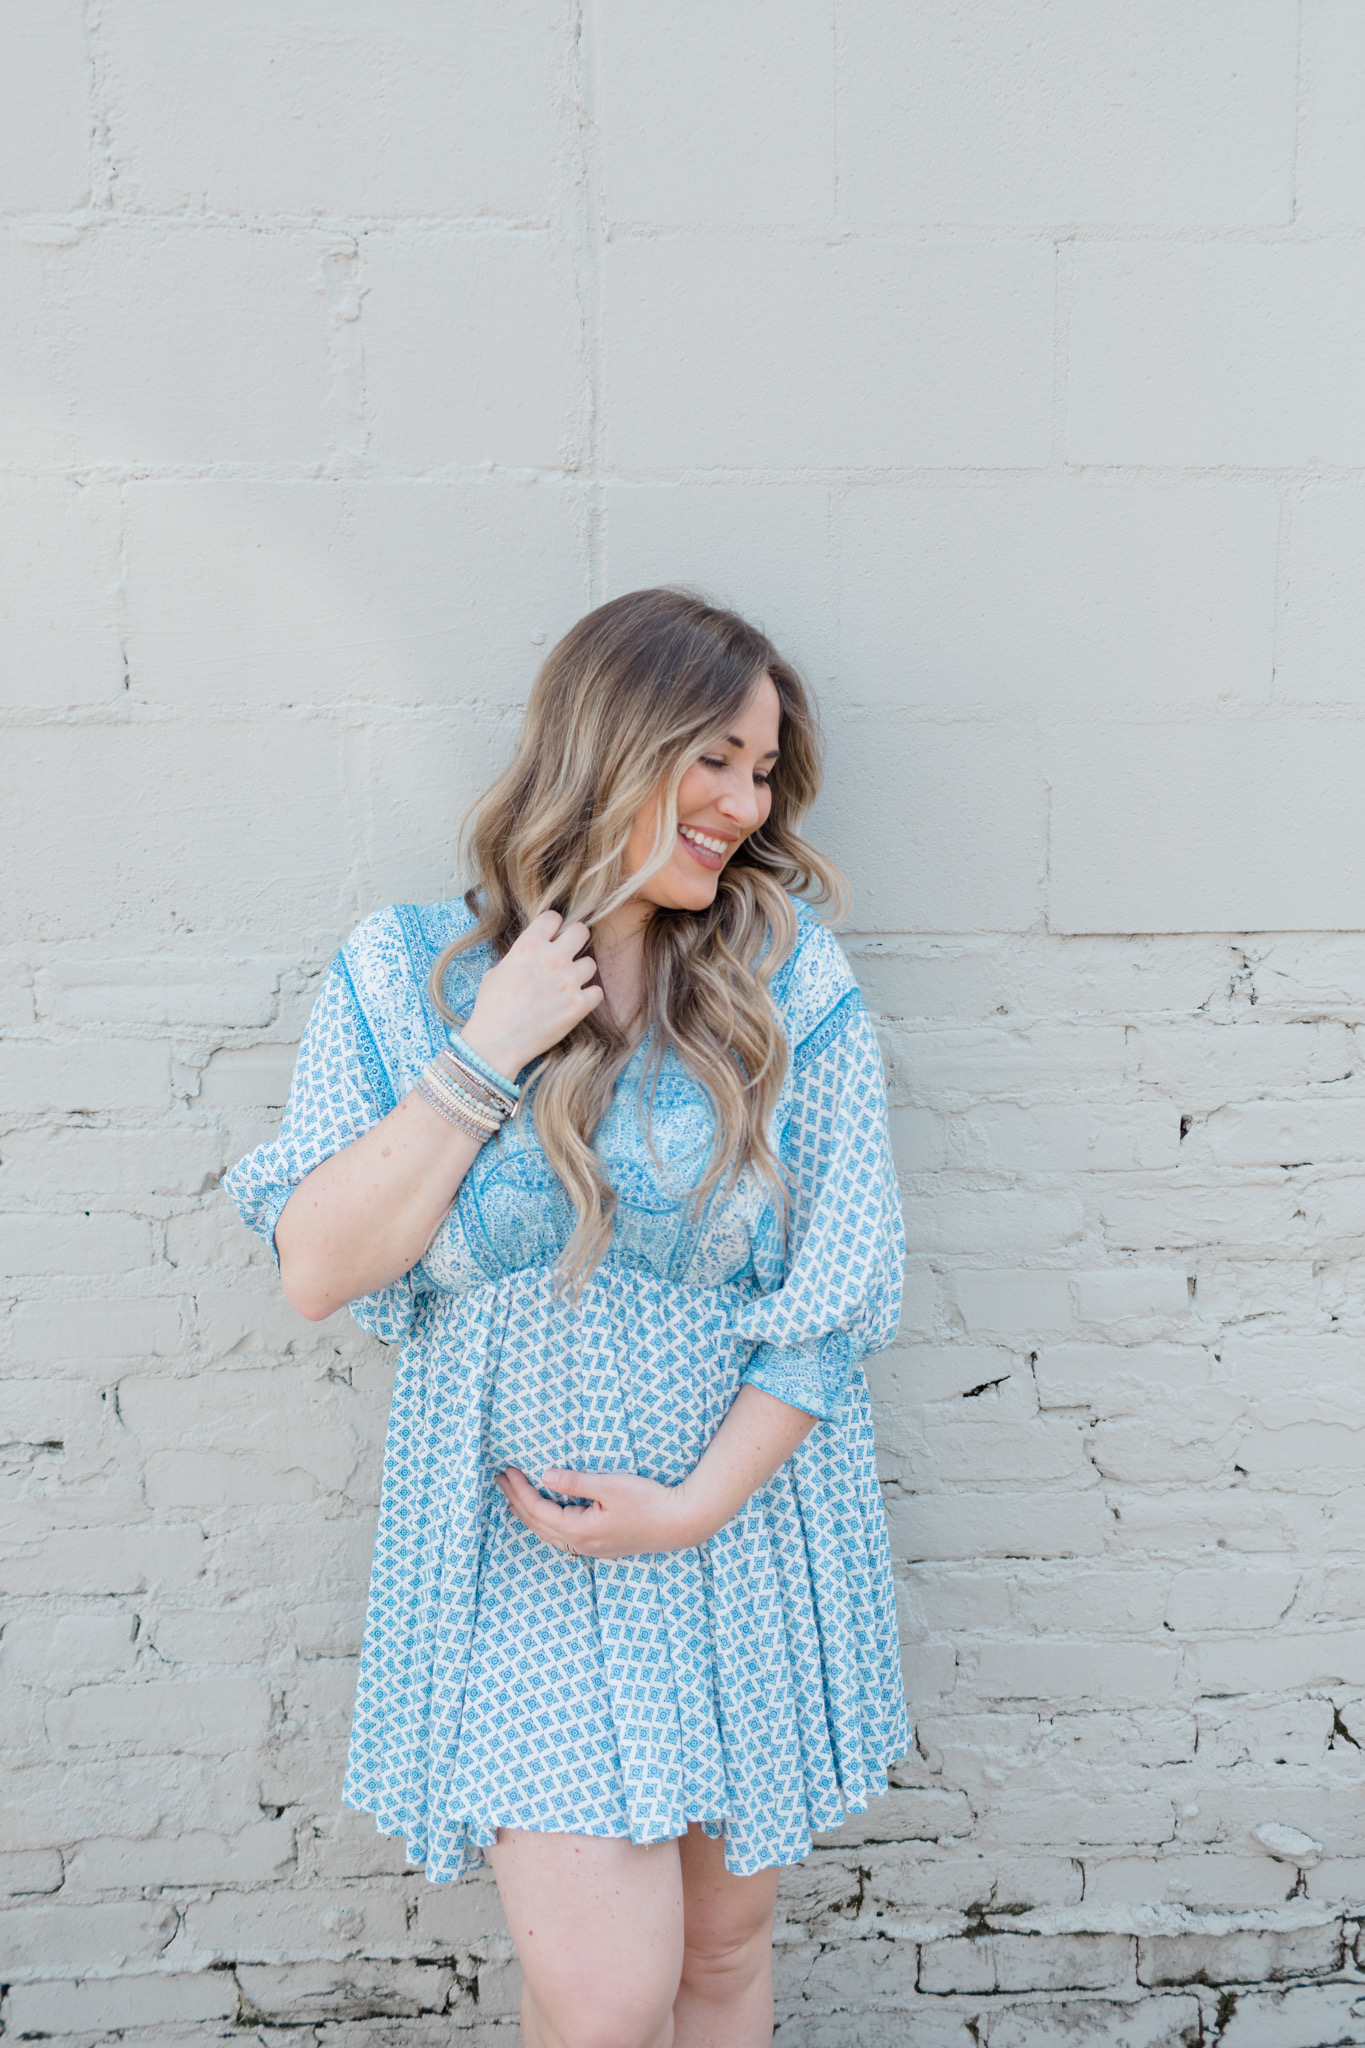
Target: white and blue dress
{"type": "Point", "coordinates": [753, 1684]}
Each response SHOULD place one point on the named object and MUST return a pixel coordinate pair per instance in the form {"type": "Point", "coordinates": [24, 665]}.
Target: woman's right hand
{"type": "Point", "coordinates": [367, 1214]}
{"type": "Point", "coordinates": [534, 996]}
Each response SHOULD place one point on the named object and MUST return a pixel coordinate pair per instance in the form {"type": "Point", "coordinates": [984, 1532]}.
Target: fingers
{"type": "Point", "coordinates": [562, 1528]}
{"type": "Point", "coordinates": [626, 1516]}
{"type": "Point", "coordinates": [583, 1485]}
{"type": "Point", "coordinates": [531, 1506]}
{"type": "Point", "coordinates": [520, 1495]}
{"type": "Point", "coordinates": [573, 938]}
{"type": "Point", "coordinates": [530, 1517]}
{"type": "Point", "coordinates": [564, 943]}
{"type": "Point", "coordinates": [549, 925]}
{"type": "Point", "coordinates": [544, 986]}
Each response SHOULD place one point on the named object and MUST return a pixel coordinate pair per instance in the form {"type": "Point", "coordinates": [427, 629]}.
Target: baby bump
{"type": "Point", "coordinates": [634, 1376]}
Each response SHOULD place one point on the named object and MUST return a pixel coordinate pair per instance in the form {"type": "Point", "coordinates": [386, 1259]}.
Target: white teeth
{"type": "Point", "coordinates": [703, 839]}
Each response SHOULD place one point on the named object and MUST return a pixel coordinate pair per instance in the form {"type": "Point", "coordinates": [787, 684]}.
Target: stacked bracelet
{"type": "Point", "coordinates": [467, 1092]}
{"type": "Point", "coordinates": [462, 1055]}
{"type": "Point", "coordinates": [450, 1101]}
{"type": "Point", "coordinates": [475, 1087]}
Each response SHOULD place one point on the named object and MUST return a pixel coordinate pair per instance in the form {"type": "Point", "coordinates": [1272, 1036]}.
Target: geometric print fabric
{"type": "Point", "coordinates": [752, 1685]}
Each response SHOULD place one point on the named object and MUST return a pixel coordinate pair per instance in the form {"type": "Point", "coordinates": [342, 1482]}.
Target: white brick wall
{"type": "Point", "coordinates": [1004, 361]}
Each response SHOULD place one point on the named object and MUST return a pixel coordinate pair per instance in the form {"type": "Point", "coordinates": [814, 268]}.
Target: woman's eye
{"type": "Point", "coordinates": [709, 761]}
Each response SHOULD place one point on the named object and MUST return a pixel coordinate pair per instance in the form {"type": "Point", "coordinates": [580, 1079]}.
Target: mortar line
{"type": "Point", "coordinates": [1046, 782]}
{"type": "Point", "coordinates": [836, 107]}
{"type": "Point", "coordinates": [932, 234]}
{"type": "Point", "coordinates": [345, 402]}
{"type": "Point", "coordinates": [1298, 117]}
{"type": "Point", "coordinates": [121, 588]}
{"type": "Point", "coordinates": [1299, 476]}
{"type": "Point", "coordinates": [1062, 277]}
{"type": "Point", "coordinates": [1241, 716]}
{"type": "Point", "coordinates": [588, 239]}
{"type": "Point", "coordinates": [1284, 526]}
{"type": "Point", "coordinates": [103, 175]}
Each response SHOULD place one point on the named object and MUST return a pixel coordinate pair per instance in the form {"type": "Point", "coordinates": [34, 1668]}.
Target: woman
{"type": "Point", "coordinates": [631, 1624]}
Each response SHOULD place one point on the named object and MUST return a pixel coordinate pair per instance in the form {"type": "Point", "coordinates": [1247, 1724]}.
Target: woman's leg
{"type": "Point", "coordinates": [598, 1924]}
{"type": "Point", "coordinates": [725, 1999]}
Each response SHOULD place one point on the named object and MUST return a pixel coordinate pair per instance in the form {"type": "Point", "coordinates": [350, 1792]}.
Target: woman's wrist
{"type": "Point", "coordinates": [500, 1053]}
{"type": "Point", "coordinates": [758, 1435]}
{"type": "Point", "coordinates": [694, 1516]}
{"type": "Point", "coordinates": [454, 1133]}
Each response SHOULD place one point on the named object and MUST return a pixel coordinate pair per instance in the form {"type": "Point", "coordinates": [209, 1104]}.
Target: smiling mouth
{"type": "Point", "coordinates": [707, 848]}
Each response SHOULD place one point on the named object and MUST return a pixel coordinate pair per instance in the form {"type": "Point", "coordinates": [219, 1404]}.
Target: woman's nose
{"type": "Point", "coordinates": [740, 806]}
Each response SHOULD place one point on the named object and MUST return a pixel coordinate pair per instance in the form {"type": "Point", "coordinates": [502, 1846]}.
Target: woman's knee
{"type": "Point", "coordinates": [606, 2021]}
{"type": "Point", "coordinates": [720, 1963]}
{"type": "Point", "coordinates": [727, 1921]}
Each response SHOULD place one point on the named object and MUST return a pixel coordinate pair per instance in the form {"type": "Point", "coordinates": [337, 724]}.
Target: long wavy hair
{"type": "Point", "coordinates": [620, 710]}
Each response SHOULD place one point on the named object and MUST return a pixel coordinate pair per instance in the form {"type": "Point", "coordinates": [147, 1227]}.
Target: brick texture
{"type": "Point", "coordinates": [1004, 361]}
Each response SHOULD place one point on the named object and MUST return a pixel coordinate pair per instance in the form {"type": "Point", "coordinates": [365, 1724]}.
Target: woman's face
{"type": "Point", "coordinates": [722, 799]}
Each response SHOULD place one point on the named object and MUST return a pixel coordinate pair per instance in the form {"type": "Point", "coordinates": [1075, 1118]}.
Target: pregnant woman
{"type": "Point", "coordinates": [604, 1146]}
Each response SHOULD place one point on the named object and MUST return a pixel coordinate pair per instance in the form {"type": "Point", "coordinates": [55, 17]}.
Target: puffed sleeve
{"type": "Point", "coordinates": [340, 1088]}
{"type": "Point", "coordinates": [840, 1291]}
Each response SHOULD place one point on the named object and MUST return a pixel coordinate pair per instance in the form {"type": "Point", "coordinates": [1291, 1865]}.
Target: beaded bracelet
{"type": "Point", "coordinates": [452, 1116]}
{"type": "Point", "coordinates": [455, 1109]}
{"type": "Point", "coordinates": [467, 1057]}
{"type": "Point", "coordinates": [474, 1084]}
{"type": "Point", "coordinates": [441, 1082]}
{"type": "Point", "coordinates": [467, 1092]}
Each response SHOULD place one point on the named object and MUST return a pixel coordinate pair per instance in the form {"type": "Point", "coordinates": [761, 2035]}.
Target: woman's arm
{"type": "Point", "coordinates": [366, 1215]}
{"type": "Point", "coordinates": [629, 1515]}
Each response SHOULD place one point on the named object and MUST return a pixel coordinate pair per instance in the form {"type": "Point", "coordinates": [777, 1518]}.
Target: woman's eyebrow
{"type": "Point", "coordinates": [733, 740]}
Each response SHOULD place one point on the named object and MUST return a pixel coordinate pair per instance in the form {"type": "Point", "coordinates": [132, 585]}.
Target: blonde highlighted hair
{"type": "Point", "coordinates": [621, 709]}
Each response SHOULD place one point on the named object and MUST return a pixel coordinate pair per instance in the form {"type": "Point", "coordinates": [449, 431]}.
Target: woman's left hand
{"type": "Point", "coordinates": [627, 1516]}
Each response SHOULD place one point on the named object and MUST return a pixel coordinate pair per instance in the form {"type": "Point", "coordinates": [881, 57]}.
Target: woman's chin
{"type": "Point", "coordinates": [690, 892]}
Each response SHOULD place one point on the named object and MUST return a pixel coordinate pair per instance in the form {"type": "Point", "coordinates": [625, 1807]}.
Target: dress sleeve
{"type": "Point", "coordinates": [839, 1297]}
{"type": "Point", "coordinates": [340, 1088]}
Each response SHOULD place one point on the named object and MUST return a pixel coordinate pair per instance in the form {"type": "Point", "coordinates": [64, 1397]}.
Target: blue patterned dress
{"type": "Point", "coordinates": [753, 1684]}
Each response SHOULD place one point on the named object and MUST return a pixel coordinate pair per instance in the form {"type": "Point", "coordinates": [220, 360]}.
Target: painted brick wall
{"type": "Point", "coordinates": [1004, 360]}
